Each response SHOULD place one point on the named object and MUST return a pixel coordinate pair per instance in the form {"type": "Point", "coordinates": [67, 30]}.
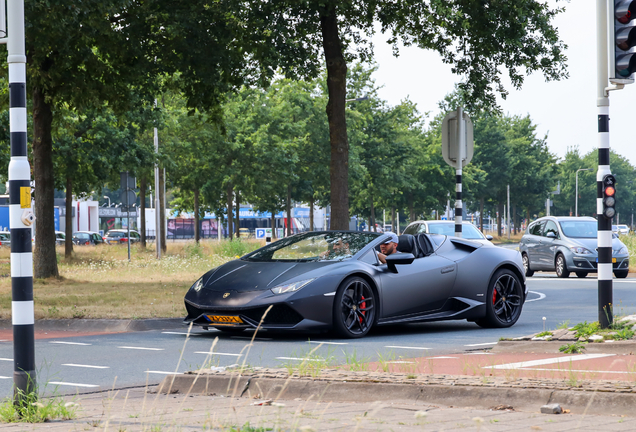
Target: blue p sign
{"type": "Point", "coordinates": [260, 233]}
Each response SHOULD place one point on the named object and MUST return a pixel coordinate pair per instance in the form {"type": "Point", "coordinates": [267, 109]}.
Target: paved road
{"type": "Point", "coordinates": [129, 359]}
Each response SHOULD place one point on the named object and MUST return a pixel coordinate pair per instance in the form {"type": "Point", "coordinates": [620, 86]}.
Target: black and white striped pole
{"type": "Point", "coordinates": [21, 216]}
{"type": "Point", "coordinates": [461, 134]}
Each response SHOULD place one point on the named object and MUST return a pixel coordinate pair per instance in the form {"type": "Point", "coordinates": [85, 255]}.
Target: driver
{"type": "Point", "coordinates": [389, 247]}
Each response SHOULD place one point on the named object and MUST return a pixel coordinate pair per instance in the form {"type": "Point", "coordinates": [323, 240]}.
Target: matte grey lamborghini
{"type": "Point", "coordinates": [334, 280]}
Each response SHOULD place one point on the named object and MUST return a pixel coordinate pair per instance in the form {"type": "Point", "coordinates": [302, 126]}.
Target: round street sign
{"type": "Point", "coordinates": [132, 198]}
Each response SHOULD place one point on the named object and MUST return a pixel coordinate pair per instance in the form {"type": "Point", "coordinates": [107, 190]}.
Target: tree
{"type": "Point", "coordinates": [478, 41]}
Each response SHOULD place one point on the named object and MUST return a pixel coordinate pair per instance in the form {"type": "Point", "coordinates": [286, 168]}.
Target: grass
{"type": "Point", "coordinates": [33, 409]}
{"type": "Point", "coordinates": [573, 348]}
{"type": "Point", "coordinates": [100, 282]}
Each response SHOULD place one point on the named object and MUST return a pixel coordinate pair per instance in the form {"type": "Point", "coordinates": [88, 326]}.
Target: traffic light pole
{"type": "Point", "coordinates": [459, 207]}
{"type": "Point", "coordinates": [605, 283]}
{"type": "Point", "coordinates": [20, 213]}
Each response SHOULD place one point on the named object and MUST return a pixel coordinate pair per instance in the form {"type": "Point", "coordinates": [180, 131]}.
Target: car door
{"type": "Point", "coordinates": [419, 287]}
{"type": "Point", "coordinates": [547, 247]}
{"type": "Point", "coordinates": [533, 241]}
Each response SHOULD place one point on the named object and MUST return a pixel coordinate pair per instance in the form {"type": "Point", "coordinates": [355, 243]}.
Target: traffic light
{"type": "Point", "coordinates": [609, 196]}
{"type": "Point", "coordinates": [623, 17]}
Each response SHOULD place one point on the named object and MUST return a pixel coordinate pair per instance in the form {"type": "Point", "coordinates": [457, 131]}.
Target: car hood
{"type": "Point", "coordinates": [245, 276]}
{"type": "Point", "coordinates": [591, 243]}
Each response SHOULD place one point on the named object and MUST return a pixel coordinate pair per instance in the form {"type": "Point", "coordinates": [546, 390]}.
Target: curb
{"type": "Point", "coordinates": [522, 399]}
{"type": "Point", "coordinates": [102, 325]}
{"type": "Point", "coordinates": [552, 347]}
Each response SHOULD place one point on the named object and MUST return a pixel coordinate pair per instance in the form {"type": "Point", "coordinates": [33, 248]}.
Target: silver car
{"type": "Point", "coordinates": [447, 228]}
{"type": "Point", "coordinates": [568, 244]}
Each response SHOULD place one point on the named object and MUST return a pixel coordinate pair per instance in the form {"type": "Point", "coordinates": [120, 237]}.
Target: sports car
{"type": "Point", "coordinates": [334, 280]}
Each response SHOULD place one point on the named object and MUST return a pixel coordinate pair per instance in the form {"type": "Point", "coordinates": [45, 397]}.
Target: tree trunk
{"type": "Point", "coordinates": [162, 209]}
{"type": "Point", "coordinates": [44, 258]}
{"type": "Point", "coordinates": [68, 243]}
{"type": "Point", "coordinates": [393, 219]}
{"type": "Point", "coordinates": [372, 217]}
{"type": "Point", "coordinates": [273, 222]}
{"type": "Point", "coordinates": [311, 213]}
{"type": "Point", "coordinates": [499, 218]}
{"type": "Point", "coordinates": [515, 219]}
{"type": "Point", "coordinates": [238, 215]}
{"type": "Point", "coordinates": [412, 216]}
{"type": "Point", "coordinates": [290, 230]}
{"type": "Point", "coordinates": [230, 214]}
{"type": "Point", "coordinates": [197, 223]}
{"type": "Point", "coordinates": [481, 214]}
{"type": "Point", "coordinates": [142, 210]}
{"type": "Point", "coordinates": [337, 87]}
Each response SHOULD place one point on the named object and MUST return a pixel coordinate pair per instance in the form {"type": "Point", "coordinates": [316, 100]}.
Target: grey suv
{"type": "Point", "coordinates": [567, 244]}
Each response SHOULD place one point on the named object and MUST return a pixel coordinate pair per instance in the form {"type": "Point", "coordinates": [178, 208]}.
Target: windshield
{"type": "Point", "coordinates": [469, 231]}
{"type": "Point", "coordinates": [322, 246]}
{"type": "Point", "coordinates": [579, 229]}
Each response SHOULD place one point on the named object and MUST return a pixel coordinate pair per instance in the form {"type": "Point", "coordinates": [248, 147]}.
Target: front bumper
{"type": "Point", "coordinates": [589, 264]}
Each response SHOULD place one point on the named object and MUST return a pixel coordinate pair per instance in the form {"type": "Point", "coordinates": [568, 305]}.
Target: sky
{"type": "Point", "coordinates": [564, 110]}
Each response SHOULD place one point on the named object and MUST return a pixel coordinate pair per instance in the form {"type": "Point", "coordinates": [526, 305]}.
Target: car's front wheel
{"type": "Point", "coordinates": [621, 274]}
{"type": "Point", "coordinates": [581, 274]}
{"type": "Point", "coordinates": [504, 300]}
{"type": "Point", "coordinates": [354, 308]}
{"type": "Point", "coordinates": [526, 265]}
{"type": "Point", "coordinates": [560, 267]}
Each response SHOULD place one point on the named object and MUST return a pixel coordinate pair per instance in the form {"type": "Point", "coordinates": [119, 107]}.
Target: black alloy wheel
{"type": "Point", "coordinates": [526, 265]}
{"type": "Point", "coordinates": [581, 274]}
{"type": "Point", "coordinates": [354, 308]}
{"type": "Point", "coordinates": [560, 267]}
{"type": "Point", "coordinates": [504, 300]}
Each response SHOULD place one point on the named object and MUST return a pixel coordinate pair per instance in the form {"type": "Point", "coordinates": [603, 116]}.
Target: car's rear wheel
{"type": "Point", "coordinates": [526, 265]}
{"type": "Point", "coordinates": [621, 274]}
{"type": "Point", "coordinates": [504, 300]}
{"type": "Point", "coordinates": [560, 267]}
{"type": "Point", "coordinates": [581, 274]}
{"type": "Point", "coordinates": [354, 308]}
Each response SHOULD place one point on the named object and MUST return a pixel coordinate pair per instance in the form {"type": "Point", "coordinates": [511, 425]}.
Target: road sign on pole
{"type": "Point", "coordinates": [457, 150]}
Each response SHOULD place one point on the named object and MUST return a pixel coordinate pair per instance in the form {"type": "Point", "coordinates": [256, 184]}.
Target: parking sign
{"type": "Point", "coordinates": [260, 233]}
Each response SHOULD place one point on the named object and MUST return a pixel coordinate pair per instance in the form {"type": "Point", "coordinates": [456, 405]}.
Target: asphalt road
{"type": "Point", "coordinates": [89, 363]}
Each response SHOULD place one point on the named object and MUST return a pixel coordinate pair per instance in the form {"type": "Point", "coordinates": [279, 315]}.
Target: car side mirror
{"type": "Point", "coordinates": [489, 237]}
{"type": "Point", "coordinates": [399, 259]}
{"type": "Point", "coordinates": [551, 235]}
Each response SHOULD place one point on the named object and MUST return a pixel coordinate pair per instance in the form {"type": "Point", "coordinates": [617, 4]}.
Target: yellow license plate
{"type": "Point", "coordinates": [224, 319]}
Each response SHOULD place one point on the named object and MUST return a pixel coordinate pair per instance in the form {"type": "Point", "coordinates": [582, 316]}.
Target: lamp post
{"type": "Point", "coordinates": [576, 201]}
{"type": "Point", "coordinates": [108, 198]}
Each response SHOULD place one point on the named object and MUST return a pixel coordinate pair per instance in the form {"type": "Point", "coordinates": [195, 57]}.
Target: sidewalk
{"type": "Point", "coordinates": [136, 410]}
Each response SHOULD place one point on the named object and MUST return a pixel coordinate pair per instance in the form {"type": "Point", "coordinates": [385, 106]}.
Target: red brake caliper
{"type": "Point", "coordinates": [362, 306]}
{"type": "Point", "coordinates": [494, 296]}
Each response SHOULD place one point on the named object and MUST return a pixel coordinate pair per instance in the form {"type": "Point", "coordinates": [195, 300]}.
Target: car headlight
{"type": "Point", "coordinates": [292, 287]}
{"type": "Point", "coordinates": [198, 285]}
{"type": "Point", "coordinates": [621, 251]}
{"type": "Point", "coordinates": [580, 250]}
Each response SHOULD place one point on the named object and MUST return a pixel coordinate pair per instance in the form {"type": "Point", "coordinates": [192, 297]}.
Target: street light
{"type": "Point", "coordinates": [108, 198]}
{"type": "Point", "coordinates": [576, 205]}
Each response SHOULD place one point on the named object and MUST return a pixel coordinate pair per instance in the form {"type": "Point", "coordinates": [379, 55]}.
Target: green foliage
{"type": "Point", "coordinates": [573, 348]}
{"type": "Point", "coordinates": [545, 333]}
{"type": "Point", "coordinates": [234, 248]}
{"type": "Point", "coordinates": [33, 409]}
{"type": "Point", "coordinates": [247, 428]}
{"type": "Point", "coordinates": [565, 325]}
{"type": "Point", "coordinates": [586, 329]}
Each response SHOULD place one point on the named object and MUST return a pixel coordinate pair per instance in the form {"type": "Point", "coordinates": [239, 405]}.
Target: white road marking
{"type": "Point", "coordinates": [86, 366]}
{"type": "Point", "coordinates": [406, 347]}
{"type": "Point", "coordinates": [441, 357]}
{"type": "Point", "coordinates": [181, 333]}
{"type": "Point", "coordinates": [576, 370]}
{"type": "Point", "coordinates": [328, 343]}
{"type": "Point", "coordinates": [4, 377]}
{"type": "Point", "coordinates": [70, 343]}
{"type": "Point", "coordinates": [481, 344]}
{"type": "Point", "coordinates": [164, 373]}
{"type": "Point", "coordinates": [478, 353]}
{"type": "Point", "coordinates": [141, 348]}
{"type": "Point", "coordinates": [6, 359]}
{"type": "Point", "coordinates": [73, 384]}
{"type": "Point", "coordinates": [400, 362]}
{"type": "Point", "coordinates": [547, 361]}
{"type": "Point", "coordinates": [218, 353]}
{"type": "Point", "coordinates": [299, 359]}
{"type": "Point", "coordinates": [541, 296]}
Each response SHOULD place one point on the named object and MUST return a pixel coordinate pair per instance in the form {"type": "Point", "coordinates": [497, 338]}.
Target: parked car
{"type": "Point", "coordinates": [60, 237]}
{"type": "Point", "coordinates": [5, 238]}
{"type": "Point", "coordinates": [120, 236]}
{"type": "Point", "coordinates": [568, 244]}
{"type": "Point", "coordinates": [245, 232]}
{"type": "Point", "coordinates": [87, 238]}
{"type": "Point", "coordinates": [623, 230]}
{"type": "Point", "coordinates": [447, 228]}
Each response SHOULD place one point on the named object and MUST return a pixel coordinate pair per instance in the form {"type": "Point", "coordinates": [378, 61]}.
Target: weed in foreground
{"type": "Point", "coordinates": [35, 410]}
{"type": "Point", "coordinates": [573, 348]}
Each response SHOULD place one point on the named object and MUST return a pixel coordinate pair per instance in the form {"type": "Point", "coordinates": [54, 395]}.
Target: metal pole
{"type": "Point", "coordinates": [127, 215]}
{"type": "Point", "coordinates": [604, 275]}
{"type": "Point", "coordinates": [397, 226]}
{"type": "Point", "coordinates": [20, 212]}
{"type": "Point", "coordinates": [508, 214]}
{"type": "Point", "coordinates": [461, 133]}
{"type": "Point", "coordinates": [157, 201]}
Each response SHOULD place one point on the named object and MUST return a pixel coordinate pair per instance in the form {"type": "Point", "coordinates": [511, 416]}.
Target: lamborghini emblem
{"type": "Point", "coordinates": [226, 295]}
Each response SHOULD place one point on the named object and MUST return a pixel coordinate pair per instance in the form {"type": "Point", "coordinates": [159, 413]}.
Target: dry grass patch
{"type": "Point", "coordinates": [100, 282]}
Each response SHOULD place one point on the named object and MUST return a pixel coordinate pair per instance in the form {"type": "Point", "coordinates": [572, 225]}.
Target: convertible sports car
{"type": "Point", "coordinates": [334, 280]}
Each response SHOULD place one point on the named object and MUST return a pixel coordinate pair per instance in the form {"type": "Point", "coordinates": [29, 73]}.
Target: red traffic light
{"type": "Point", "coordinates": [610, 191]}
{"type": "Point", "coordinates": [624, 11]}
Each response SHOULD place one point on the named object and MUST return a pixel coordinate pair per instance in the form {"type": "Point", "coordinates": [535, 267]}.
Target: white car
{"type": "Point", "coordinates": [623, 230]}
{"type": "Point", "coordinates": [469, 231]}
